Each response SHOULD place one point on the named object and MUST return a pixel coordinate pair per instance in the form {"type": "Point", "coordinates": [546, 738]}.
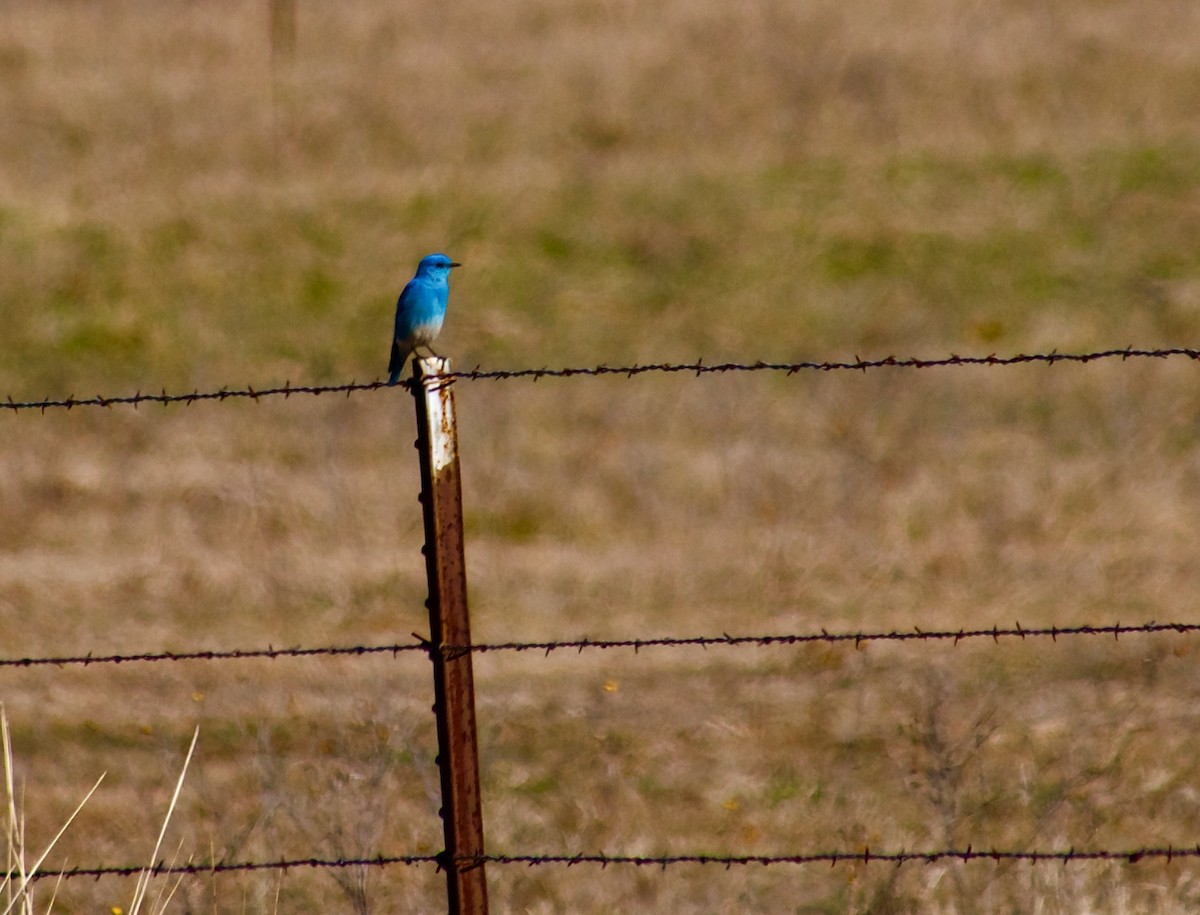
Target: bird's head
{"type": "Point", "coordinates": [436, 266]}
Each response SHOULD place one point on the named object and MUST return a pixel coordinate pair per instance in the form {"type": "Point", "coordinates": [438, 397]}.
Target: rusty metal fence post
{"type": "Point", "coordinates": [453, 679]}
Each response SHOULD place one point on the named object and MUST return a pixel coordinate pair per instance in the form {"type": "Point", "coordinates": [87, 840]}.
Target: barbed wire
{"type": "Point", "coordinates": [857, 364]}
{"type": "Point", "coordinates": [699, 368]}
{"type": "Point", "coordinates": [866, 856]}
{"type": "Point", "coordinates": [995, 633]}
{"type": "Point", "coordinates": [1167, 853]}
{"type": "Point", "coordinates": [228, 867]}
{"type": "Point", "coordinates": [421, 644]}
{"type": "Point", "coordinates": [236, 654]}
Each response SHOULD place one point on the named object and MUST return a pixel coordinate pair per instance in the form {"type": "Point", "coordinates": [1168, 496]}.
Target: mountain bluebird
{"type": "Point", "coordinates": [420, 310]}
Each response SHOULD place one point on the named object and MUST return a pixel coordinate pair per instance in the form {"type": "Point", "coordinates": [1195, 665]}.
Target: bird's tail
{"type": "Point", "coordinates": [396, 363]}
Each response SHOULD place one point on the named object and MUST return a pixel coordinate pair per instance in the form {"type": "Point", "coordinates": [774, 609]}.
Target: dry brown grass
{"type": "Point", "coordinates": [625, 181]}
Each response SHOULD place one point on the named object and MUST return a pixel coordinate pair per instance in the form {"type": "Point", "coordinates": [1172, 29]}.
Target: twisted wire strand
{"type": "Point", "coordinates": [1165, 853]}
{"type": "Point", "coordinates": [420, 644]}
{"type": "Point", "coordinates": [698, 368]}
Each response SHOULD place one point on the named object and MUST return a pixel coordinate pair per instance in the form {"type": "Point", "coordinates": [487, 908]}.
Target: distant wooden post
{"type": "Point", "coordinates": [283, 30]}
{"type": "Point", "coordinates": [449, 623]}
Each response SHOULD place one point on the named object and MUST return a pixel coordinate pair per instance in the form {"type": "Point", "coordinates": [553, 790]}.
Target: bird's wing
{"type": "Point", "coordinates": [404, 306]}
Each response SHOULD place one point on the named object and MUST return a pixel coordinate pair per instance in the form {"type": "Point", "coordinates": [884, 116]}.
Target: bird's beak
{"type": "Point", "coordinates": [452, 264]}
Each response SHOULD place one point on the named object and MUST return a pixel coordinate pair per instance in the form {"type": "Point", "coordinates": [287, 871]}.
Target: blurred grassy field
{"type": "Point", "coordinates": [182, 208]}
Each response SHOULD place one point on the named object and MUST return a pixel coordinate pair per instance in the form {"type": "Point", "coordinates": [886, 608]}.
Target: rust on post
{"type": "Point", "coordinates": [449, 623]}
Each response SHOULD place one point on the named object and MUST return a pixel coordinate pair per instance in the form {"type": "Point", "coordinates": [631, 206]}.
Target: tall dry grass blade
{"type": "Point", "coordinates": [13, 843]}
{"type": "Point", "coordinates": [22, 893]}
{"type": "Point", "coordinates": [161, 903]}
{"type": "Point", "coordinates": [163, 899]}
{"type": "Point", "coordinates": [143, 884]}
{"type": "Point", "coordinates": [54, 895]}
{"type": "Point", "coordinates": [27, 878]}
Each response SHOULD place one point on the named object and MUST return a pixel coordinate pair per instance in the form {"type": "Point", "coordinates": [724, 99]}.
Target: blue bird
{"type": "Point", "coordinates": [420, 311]}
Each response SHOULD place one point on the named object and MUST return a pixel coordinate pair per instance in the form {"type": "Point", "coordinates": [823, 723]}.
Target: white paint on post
{"type": "Point", "coordinates": [439, 402]}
